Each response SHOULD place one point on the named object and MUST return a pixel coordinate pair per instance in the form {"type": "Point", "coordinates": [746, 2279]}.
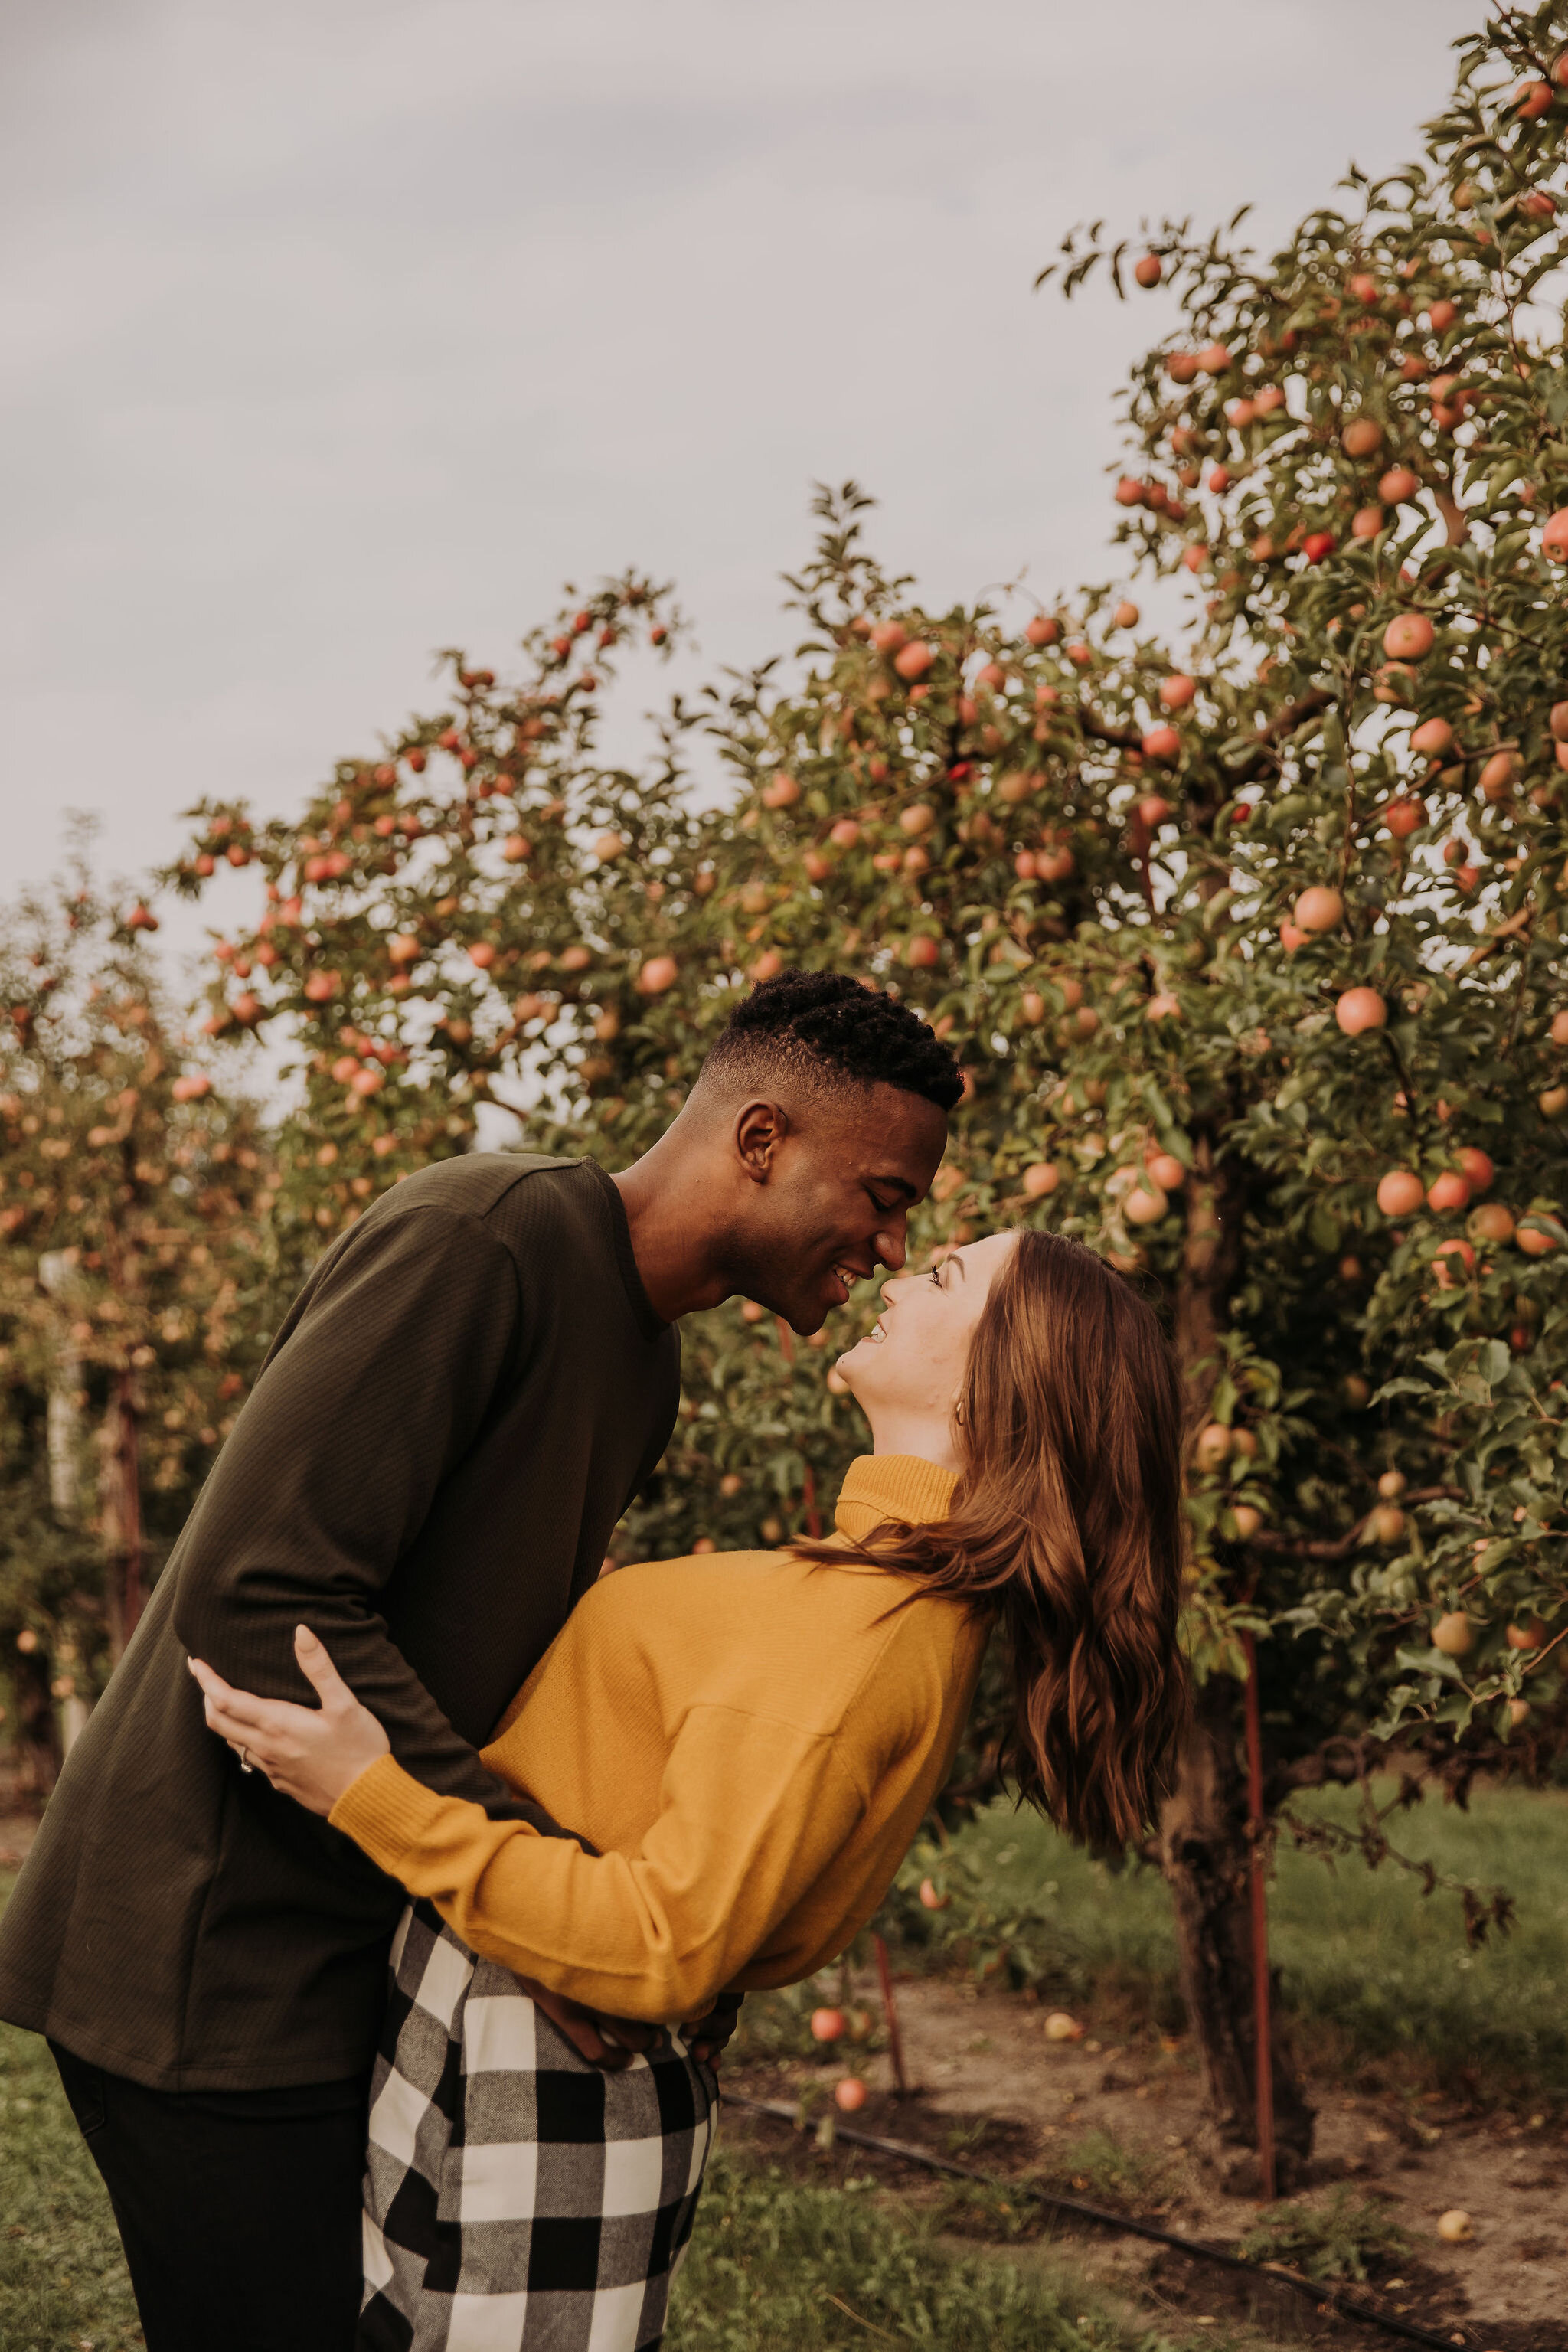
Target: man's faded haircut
{"type": "Point", "coordinates": [825, 1029]}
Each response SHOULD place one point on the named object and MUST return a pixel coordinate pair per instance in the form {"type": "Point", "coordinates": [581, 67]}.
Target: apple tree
{"type": "Point", "coordinates": [1251, 947]}
{"type": "Point", "coordinates": [1077, 855]}
{"type": "Point", "coordinates": [138, 1277]}
{"type": "Point", "coordinates": [1354, 452]}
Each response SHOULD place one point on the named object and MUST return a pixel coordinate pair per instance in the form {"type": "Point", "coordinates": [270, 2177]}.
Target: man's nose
{"type": "Point", "coordinates": [889, 1246]}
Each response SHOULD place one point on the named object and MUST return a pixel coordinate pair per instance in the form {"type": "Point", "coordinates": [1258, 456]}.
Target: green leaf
{"type": "Point", "coordinates": [1429, 1661]}
{"type": "Point", "coordinates": [1324, 1228]}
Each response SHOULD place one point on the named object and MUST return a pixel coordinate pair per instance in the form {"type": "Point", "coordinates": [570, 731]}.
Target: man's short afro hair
{"type": "Point", "coordinates": [831, 1027]}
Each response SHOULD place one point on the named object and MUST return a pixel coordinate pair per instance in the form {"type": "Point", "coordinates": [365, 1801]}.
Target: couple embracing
{"type": "Point", "coordinates": [391, 2018]}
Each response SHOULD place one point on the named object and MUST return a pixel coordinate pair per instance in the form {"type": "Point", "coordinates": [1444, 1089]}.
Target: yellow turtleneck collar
{"type": "Point", "coordinates": [880, 1486]}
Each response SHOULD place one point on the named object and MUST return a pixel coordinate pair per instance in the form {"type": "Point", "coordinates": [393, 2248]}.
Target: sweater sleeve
{"type": "Point", "coordinates": [751, 1813]}
{"type": "Point", "coordinates": [374, 1390]}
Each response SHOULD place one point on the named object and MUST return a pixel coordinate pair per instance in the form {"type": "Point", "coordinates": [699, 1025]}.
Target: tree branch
{"type": "Point", "coordinates": [1339, 1546]}
{"type": "Point", "coordinates": [1100, 730]}
{"type": "Point", "coordinates": [1290, 718]}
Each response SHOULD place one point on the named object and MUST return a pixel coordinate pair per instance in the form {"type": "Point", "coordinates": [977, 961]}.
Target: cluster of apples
{"type": "Point", "coordinates": [1141, 1191]}
{"type": "Point", "coordinates": [1219, 1447]}
{"type": "Point", "coordinates": [1362, 436]}
{"type": "Point", "coordinates": [1401, 1194]}
{"type": "Point", "coordinates": [835, 2025]}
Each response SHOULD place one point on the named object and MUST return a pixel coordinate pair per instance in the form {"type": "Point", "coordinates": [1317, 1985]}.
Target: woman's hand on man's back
{"type": "Point", "coordinates": [311, 1754]}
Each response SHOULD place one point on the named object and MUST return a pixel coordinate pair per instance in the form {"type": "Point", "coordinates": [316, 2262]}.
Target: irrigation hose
{"type": "Point", "coordinates": [1329, 2297]}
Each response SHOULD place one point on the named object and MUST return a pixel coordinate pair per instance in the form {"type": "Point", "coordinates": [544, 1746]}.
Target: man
{"type": "Point", "coordinates": [459, 1407]}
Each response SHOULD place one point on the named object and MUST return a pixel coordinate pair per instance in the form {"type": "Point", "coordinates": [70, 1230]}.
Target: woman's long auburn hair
{"type": "Point", "coordinates": [1065, 1522]}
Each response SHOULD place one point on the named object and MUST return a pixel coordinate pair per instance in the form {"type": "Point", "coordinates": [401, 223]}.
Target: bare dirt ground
{"type": "Point", "coordinates": [992, 2091]}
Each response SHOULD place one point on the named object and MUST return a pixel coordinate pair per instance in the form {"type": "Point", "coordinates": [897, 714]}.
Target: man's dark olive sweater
{"type": "Point", "coordinates": [460, 1404]}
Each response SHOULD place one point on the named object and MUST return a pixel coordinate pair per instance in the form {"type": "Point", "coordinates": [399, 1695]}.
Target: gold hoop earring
{"type": "Point", "coordinates": [958, 1412]}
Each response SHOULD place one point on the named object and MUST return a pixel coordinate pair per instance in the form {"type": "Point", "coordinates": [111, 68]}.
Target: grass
{"type": "Point", "coordinates": [1097, 2166]}
{"type": "Point", "coordinates": [1373, 1970]}
{"type": "Point", "coordinates": [1336, 2240]}
{"type": "Point", "coordinates": [63, 2284]}
{"type": "Point", "coordinates": [776, 2266]}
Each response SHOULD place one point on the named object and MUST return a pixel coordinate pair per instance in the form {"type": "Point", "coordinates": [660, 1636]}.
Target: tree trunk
{"type": "Point", "coordinates": [1211, 1260]}
{"type": "Point", "coordinates": [37, 1733]}
{"type": "Point", "coordinates": [1205, 1855]}
{"type": "Point", "coordinates": [64, 1424]}
{"type": "Point", "coordinates": [64, 1427]}
{"type": "Point", "coordinates": [1203, 1844]}
{"type": "Point", "coordinates": [122, 1491]}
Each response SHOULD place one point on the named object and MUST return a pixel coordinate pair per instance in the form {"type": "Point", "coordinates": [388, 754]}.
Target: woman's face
{"type": "Point", "coordinates": [912, 1364]}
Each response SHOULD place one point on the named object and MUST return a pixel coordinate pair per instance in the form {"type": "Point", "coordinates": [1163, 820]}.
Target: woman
{"type": "Point", "coordinates": [750, 1739]}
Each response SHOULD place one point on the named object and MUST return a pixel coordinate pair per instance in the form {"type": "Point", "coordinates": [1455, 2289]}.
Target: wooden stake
{"type": "Point", "coordinates": [891, 2012]}
{"type": "Point", "coordinates": [1262, 2021]}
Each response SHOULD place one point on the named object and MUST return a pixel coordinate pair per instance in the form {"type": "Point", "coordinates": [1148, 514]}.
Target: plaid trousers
{"type": "Point", "coordinates": [517, 2199]}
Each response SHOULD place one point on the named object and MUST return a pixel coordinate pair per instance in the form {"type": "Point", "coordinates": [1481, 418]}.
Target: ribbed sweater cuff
{"type": "Point", "coordinates": [386, 1810]}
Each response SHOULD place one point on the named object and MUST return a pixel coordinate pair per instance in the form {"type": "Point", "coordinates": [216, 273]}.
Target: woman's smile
{"type": "Point", "coordinates": [908, 1371]}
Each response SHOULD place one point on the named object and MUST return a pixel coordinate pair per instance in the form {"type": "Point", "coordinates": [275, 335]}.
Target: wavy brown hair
{"type": "Point", "coordinates": [1065, 1522]}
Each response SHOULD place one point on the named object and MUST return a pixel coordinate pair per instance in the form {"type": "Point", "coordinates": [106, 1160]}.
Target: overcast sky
{"type": "Point", "coordinates": [335, 332]}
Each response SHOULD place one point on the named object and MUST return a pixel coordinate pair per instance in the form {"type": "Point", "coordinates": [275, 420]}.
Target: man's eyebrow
{"type": "Point", "coordinates": [896, 1185]}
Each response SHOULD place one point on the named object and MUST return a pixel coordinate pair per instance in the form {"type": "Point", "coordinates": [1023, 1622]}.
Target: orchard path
{"type": "Point", "coordinates": [978, 2055]}
{"type": "Point", "coordinates": [993, 2091]}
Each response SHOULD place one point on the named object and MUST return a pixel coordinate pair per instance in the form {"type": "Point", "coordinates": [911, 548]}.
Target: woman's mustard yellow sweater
{"type": "Point", "coordinates": [749, 1740]}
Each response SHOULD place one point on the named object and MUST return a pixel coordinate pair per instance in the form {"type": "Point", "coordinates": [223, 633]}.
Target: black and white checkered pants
{"type": "Point", "coordinates": [518, 2199]}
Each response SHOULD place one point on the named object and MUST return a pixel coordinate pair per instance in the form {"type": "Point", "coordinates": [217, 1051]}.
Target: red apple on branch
{"type": "Point", "coordinates": [1400, 1193]}
{"type": "Point", "coordinates": [1319, 910]}
{"type": "Point", "coordinates": [1359, 1010]}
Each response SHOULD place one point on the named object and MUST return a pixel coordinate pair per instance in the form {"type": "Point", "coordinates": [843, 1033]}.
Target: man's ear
{"type": "Point", "coordinates": [760, 1128]}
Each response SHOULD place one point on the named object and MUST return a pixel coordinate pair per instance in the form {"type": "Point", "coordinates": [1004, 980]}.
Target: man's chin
{"type": "Point", "coordinates": [805, 1316]}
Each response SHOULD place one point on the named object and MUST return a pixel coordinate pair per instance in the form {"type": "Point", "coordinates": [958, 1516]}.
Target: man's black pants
{"type": "Point", "coordinates": [239, 2211]}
